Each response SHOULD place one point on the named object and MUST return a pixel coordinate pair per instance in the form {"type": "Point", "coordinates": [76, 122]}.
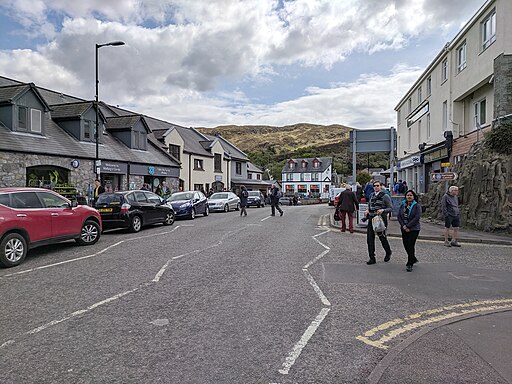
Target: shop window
{"type": "Point", "coordinates": [46, 176]}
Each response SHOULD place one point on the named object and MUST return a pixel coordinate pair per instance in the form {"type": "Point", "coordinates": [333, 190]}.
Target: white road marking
{"type": "Point", "coordinates": [8, 342]}
{"type": "Point", "coordinates": [309, 264]}
{"type": "Point", "coordinates": [297, 349]}
{"type": "Point", "coordinates": [317, 289]}
{"type": "Point", "coordinates": [266, 218]}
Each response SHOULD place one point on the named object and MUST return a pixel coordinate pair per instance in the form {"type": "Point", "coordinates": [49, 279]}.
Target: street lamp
{"type": "Point", "coordinates": [96, 134]}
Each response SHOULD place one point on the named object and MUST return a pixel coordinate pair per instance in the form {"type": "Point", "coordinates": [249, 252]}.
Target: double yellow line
{"type": "Point", "coordinates": [382, 334]}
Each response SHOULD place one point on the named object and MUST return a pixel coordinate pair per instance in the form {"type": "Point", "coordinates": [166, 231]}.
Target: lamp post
{"type": "Point", "coordinates": [96, 134]}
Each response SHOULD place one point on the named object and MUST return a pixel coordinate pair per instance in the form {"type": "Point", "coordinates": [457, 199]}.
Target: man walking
{"type": "Point", "coordinates": [274, 201]}
{"type": "Point", "coordinates": [347, 204]}
{"type": "Point", "coordinates": [451, 213]}
{"type": "Point", "coordinates": [243, 200]}
{"type": "Point", "coordinates": [380, 204]}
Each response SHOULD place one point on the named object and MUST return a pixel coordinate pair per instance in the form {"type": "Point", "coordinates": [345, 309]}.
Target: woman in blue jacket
{"type": "Point", "coordinates": [409, 218]}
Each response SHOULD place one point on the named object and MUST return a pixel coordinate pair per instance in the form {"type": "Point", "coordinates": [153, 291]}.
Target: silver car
{"type": "Point", "coordinates": [224, 201]}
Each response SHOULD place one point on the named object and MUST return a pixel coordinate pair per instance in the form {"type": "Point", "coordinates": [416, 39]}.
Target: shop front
{"type": "Point", "coordinates": [436, 160]}
{"type": "Point", "coordinates": [410, 170]}
{"type": "Point", "coordinates": [153, 175]}
{"type": "Point", "coordinates": [289, 189]}
{"type": "Point", "coordinates": [113, 175]}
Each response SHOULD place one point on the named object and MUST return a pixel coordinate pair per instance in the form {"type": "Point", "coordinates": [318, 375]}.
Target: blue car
{"type": "Point", "coordinates": [189, 204]}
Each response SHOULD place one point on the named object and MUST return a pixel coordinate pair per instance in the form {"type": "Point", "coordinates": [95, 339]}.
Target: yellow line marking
{"type": "Point", "coordinates": [463, 309]}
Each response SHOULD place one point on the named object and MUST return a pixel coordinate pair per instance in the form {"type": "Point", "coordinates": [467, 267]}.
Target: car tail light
{"type": "Point", "coordinates": [125, 207]}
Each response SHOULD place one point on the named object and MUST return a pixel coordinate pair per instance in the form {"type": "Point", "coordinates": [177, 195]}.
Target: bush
{"type": "Point", "coordinates": [499, 139]}
{"type": "Point", "coordinates": [363, 177]}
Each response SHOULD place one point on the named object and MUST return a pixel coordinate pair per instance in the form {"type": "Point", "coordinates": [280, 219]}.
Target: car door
{"type": "Point", "coordinates": [31, 215]}
{"type": "Point", "coordinates": [66, 222]}
{"type": "Point", "coordinates": [158, 210]}
{"type": "Point", "coordinates": [200, 204]}
{"type": "Point", "coordinates": [233, 200]}
{"type": "Point", "coordinates": [146, 208]}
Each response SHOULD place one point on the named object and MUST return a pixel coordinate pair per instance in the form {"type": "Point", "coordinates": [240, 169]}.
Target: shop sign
{"type": "Point", "coordinates": [113, 167]}
{"type": "Point", "coordinates": [444, 165]}
{"type": "Point", "coordinates": [153, 170]}
{"type": "Point", "coordinates": [435, 155]}
{"type": "Point", "coordinates": [443, 176]}
{"type": "Point", "coordinates": [409, 162]}
{"type": "Point", "coordinates": [75, 163]}
{"type": "Point", "coordinates": [218, 177]}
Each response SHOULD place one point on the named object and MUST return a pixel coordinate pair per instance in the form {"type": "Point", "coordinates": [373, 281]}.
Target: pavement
{"type": "Point", "coordinates": [473, 348]}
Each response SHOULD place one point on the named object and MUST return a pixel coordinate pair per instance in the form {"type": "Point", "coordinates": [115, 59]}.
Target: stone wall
{"type": "Point", "coordinates": [485, 183]}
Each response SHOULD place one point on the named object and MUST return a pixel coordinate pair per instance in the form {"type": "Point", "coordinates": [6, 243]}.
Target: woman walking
{"type": "Point", "coordinates": [409, 218]}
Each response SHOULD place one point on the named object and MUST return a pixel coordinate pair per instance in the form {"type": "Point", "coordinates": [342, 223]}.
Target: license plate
{"type": "Point", "coordinates": [104, 209]}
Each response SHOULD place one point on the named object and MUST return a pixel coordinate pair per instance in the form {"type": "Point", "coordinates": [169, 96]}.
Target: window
{"type": "Point", "coordinates": [153, 198]}
{"type": "Point", "coordinates": [52, 201]}
{"type": "Point", "coordinates": [258, 176]}
{"type": "Point", "coordinates": [461, 57]}
{"type": "Point", "coordinates": [409, 136]}
{"type": "Point", "coordinates": [22, 118]}
{"type": "Point", "coordinates": [445, 116]}
{"type": "Point", "coordinates": [35, 120]}
{"type": "Point", "coordinates": [174, 150]}
{"type": "Point", "coordinates": [489, 30]}
{"type": "Point", "coordinates": [419, 131]}
{"type": "Point", "coordinates": [87, 130]}
{"type": "Point", "coordinates": [429, 86]}
{"type": "Point", "coordinates": [428, 126]}
{"type": "Point", "coordinates": [480, 113]}
{"type": "Point", "coordinates": [291, 165]}
{"type": "Point", "coordinates": [24, 200]}
{"type": "Point", "coordinates": [409, 108]}
{"type": "Point", "coordinates": [289, 177]}
{"type": "Point", "coordinates": [444, 70]}
{"type": "Point", "coordinates": [304, 164]}
{"type": "Point", "coordinates": [136, 140]}
{"type": "Point", "coordinates": [398, 116]}
{"type": "Point", "coordinates": [198, 164]}
{"type": "Point", "coordinates": [5, 199]}
{"type": "Point", "coordinates": [316, 164]}
{"type": "Point", "coordinates": [315, 176]}
{"type": "Point", "coordinates": [420, 96]}
{"type": "Point", "coordinates": [238, 168]}
{"type": "Point", "coordinates": [301, 177]}
{"type": "Point", "coordinates": [140, 197]}
{"type": "Point", "coordinates": [249, 176]}
{"type": "Point", "coordinates": [217, 162]}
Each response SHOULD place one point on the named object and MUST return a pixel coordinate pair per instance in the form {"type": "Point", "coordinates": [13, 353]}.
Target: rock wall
{"type": "Point", "coordinates": [485, 184]}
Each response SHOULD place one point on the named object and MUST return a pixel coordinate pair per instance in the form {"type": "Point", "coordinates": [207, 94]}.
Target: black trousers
{"type": "Point", "coordinates": [275, 206]}
{"type": "Point", "coordinates": [409, 240]}
{"type": "Point", "coordinates": [370, 239]}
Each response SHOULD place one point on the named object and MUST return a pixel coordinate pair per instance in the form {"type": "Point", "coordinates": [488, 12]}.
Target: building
{"type": "Point", "coordinates": [462, 92]}
{"type": "Point", "coordinates": [307, 177]}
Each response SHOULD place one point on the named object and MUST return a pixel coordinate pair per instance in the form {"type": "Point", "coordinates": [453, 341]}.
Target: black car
{"type": "Point", "coordinates": [255, 199]}
{"type": "Point", "coordinates": [133, 210]}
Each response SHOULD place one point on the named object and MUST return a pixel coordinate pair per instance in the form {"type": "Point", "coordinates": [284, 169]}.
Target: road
{"type": "Point", "coordinates": [230, 299]}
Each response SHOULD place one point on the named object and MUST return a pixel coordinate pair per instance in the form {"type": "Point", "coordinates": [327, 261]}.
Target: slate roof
{"type": "Point", "coordinates": [121, 123]}
{"type": "Point", "coordinates": [70, 110]}
{"type": "Point", "coordinates": [229, 148]}
{"type": "Point", "coordinates": [11, 92]}
{"type": "Point", "coordinates": [325, 162]}
{"type": "Point", "coordinates": [253, 168]}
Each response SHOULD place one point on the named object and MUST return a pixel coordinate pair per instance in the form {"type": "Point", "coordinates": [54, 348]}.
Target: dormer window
{"type": "Point", "coordinates": [87, 130]}
{"type": "Point", "coordinates": [304, 164]}
{"type": "Point", "coordinates": [22, 118]}
{"type": "Point", "coordinates": [35, 120]}
{"type": "Point", "coordinates": [291, 164]}
{"type": "Point", "coordinates": [316, 164]}
{"type": "Point", "coordinates": [34, 124]}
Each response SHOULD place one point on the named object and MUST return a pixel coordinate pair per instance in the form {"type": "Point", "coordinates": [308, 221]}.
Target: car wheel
{"type": "Point", "coordinates": [13, 250]}
{"type": "Point", "coordinates": [226, 208]}
{"type": "Point", "coordinates": [193, 214]}
{"type": "Point", "coordinates": [89, 234]}
{"type": "Point", "coordinates": [237, 206]}
{"type": "Point", "coordinates": [169, 218]}
{"type": "Point", "coordinates": [136, 224]}
{"type": "Point", "coordinates": [206, 211]}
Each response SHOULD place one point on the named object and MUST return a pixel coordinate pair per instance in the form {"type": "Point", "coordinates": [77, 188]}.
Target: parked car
{"type": "Point", "coordinates": [133, 210]}
{"type": "Point", "coordinates": [255, 199]}
{"type": "Point", "coordinates": [223, 201]}
{"type": "Point", "coordinates": [30, 217]}
{"type": "Point", "coordinates": [189, 204]}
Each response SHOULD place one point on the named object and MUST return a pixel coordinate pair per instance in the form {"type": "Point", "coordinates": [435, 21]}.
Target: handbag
{"type": "Point", "coordinates": [378, 224]}
{"type": "Point", "coordinates": [337, 216]}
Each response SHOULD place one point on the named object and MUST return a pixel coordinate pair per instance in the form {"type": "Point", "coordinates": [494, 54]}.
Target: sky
{"type": "Point", "coordinates": [205, 63]}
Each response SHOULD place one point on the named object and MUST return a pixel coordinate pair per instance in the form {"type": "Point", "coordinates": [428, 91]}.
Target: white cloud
{"type": "Point", "coordinates": [177, 52]}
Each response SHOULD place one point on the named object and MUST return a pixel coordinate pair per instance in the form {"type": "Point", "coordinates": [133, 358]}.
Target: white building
{"type": "Point", "coordinates": [461, 92]}
{"type": "Point", "coordinates": [307, 177]}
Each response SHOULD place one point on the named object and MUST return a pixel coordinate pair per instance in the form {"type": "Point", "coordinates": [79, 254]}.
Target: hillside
{"type": "Point", "coordinates": [282, 140]}
{"type": "Point", "coordinates": [269, 146]}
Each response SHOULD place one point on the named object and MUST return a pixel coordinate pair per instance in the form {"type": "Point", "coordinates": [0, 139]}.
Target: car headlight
{"type": "Point", "coordinates": [184, 205]}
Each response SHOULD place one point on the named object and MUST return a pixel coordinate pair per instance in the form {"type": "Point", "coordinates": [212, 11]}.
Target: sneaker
{"type": "Point", "coordinates": [408, 268]}
{"type": "Point", "coordinates": [447, 243]}
{"type": "Point", "coordinates": [454, 243]}
{"type": "Point", "coordinates": [281, 214]}
{"type": "Point", "coordinates": [371, 261]}
{"type": "Point", "coordinates": [387, 258]}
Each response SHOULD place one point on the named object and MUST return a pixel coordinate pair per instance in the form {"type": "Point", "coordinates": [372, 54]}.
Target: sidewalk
{"type": "Point", "coordinates": [432, 231]}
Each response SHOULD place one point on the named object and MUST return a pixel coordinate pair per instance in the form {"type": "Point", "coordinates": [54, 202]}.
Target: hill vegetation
{"type": "Point", "coordinates": [269, 146]}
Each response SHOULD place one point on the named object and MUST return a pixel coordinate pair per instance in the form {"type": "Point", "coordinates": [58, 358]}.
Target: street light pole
{"type": "Point", "coordinates": [96, 133]}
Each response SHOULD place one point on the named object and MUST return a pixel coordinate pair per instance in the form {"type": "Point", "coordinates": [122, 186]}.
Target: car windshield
{"type": "Point", "coordinates": [219, 196]}
{"type": "Point", "coordinates": [110, 198]}
{"type": "Point", "coordinates": [181, 196]}
{"type": "Point", "coordinates": [254, 193]}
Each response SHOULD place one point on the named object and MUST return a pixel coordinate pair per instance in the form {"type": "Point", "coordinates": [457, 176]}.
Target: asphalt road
{"type": "Point", "coordinates": [230, 299]}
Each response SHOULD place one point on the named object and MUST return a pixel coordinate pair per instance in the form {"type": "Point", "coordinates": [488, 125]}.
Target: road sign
{"type": "Point", "coordinates": [444, 176]}
{"type": "Point", "coordinates": [444, 165]}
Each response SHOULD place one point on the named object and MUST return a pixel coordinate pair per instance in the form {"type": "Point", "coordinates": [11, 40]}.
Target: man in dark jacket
{"type": "Point", "coordinates": [347, 204]}
{"type": "Point", "coordinates": [98, 190]}
{"type": "Point", "coordinates": [380, 204]}
{"type": "Point", "coordinates": [451, 213]}
{"type": "Point", "coordinates": [368, 190]}
{"type": "Point", "coordinates": [274, 201]}
{"type": "Point", "coordinates": [243, 200]}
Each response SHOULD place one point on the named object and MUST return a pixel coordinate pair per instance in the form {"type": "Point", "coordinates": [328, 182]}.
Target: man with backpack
{"type": "Point", "coordinates": [274, 201]}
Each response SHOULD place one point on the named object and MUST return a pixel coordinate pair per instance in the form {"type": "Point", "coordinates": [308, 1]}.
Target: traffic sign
{"type": "Point", "coordinates": [443, 176]}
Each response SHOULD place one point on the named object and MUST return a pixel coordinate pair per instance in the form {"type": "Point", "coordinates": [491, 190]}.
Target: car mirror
{"type": "Point", "coordinates": [74, 204]}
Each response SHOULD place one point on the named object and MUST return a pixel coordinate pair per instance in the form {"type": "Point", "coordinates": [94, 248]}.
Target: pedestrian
{"type": "Point", "coordinates": [402, 187]}
{"type": "Point", "coordinates": [396, 187]}
{"type": "Point", "coordinates": [451, 213]}
{"type": "Point", "coordinates": [274, 201]}
{"type": "Point", "coordinates": [409, 216]}
{"type": "Point", "coordinates": [347, 205]}
{"type": "Point", "coordinates": [243, 200]}
{"type": "Point", "coordinates": [144, 187]}
{"type": "Point", "coordinates": [359, 191]}
{"type": "Point", "coordinates": [98, 190]}
{"type": "Point", "coordinates": [163, 191]}
{"type": "Point", "coordinates": [368, 190]}
{"type": "Point", "coordinates": [379, 204]}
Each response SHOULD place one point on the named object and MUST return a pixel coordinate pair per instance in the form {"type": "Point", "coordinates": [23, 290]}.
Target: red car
{"type": "Point", "coordinates": [30, 217]}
